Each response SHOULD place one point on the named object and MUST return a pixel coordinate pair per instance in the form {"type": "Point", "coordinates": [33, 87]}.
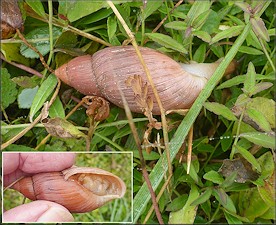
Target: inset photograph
{"type": "Point", "coordinates": [67, 187]}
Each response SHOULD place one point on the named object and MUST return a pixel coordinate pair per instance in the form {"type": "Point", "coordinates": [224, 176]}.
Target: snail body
{"type": "Point", "coordinates": [107, 71]}
{"type": "Point", "coordinates": [79, 189]}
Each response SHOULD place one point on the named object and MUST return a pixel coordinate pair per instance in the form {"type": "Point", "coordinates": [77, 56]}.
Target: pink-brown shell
{"type": "Point", "coordinates": [79, 189]}
{"type": "Point", "coordinates": [107, 71]}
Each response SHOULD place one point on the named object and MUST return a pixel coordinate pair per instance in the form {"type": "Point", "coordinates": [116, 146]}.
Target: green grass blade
{"type": "Point", "coordinates": [142, 197]}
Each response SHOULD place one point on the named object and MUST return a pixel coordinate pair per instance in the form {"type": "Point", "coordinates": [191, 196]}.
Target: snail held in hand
{"type": "Point", "coordinates": [79, 189]}
{"type": "Point", "coordinates": [106, 71]}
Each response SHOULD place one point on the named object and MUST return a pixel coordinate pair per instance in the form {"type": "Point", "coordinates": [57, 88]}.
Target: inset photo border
{"type": "Point", "coordinates": [80, 187]}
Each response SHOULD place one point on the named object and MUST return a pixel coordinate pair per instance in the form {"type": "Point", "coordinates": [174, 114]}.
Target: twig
{"type": "Point", "coordinates": [142, 160]}
{"type": "Point", "coordinates": [57, 23]}
{"type": "Point", "coordinates": [22, 67]}
{"type": "Point", "coordinates": [35, 50]}
{"type": "Point", "coordinates": [21, 134]}
{"type": "Point", "coordinates": [164, 19]}
{"type": "Point", "coordinates": [157, 198]}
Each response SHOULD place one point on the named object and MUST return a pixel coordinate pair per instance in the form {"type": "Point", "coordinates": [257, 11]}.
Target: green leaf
{"type": "Point", "coordinates": [96, 16]}
{"type": "Point", "coordinates": [19, 148]}
{"type": "Point", "coordinates": [240, 218]}
{"type": "Point", "coordinates": [250, 50]}
{"type": "Point", "coordinates": [266, 162]}
{"type": "Point", "coordinates": [42, 94]}
{"type": "Point", "coordinates": [199, 55]}
{"type": "Point", "coordinates": [111, 26]}
{"type": "Point", "coordinates": [232, 82]}
{"type": "Point", "coordinates": [204, 36]}
{"type": "Point", "coordinates": [212, 23]}
{"type": "Point", "coordinates": [265, 106]}
{"type": "Point", "coordinates": [244, 6]}
{"type": "Point", "coordinates": [262, 139]}
{"type": "Point", "coordinates": [83, 8]}
{"type": "Point", "coordinates": [56, 109]}
{"type": "Point", "coordinates": [229, 180]}
{"type": "Point", "coordinates": [269, 214]}
{"type": "Point", "coordinates": [37, 7]}
{"type": "Point", "coordinates": [251, 205]}
{"type": "Point", "coordinates": [213, 176]}
{"type": "Point", "coordinates": [224, 200]}
{"type": "Point", "coordinates": [11, 51]}
{"type": "Point", "coordinates": [151, 7]}
{"type": "Point", "coordinates": [148, 156]}
{"type": "Point", "coordinates": [259, 28]}
{"type": "Point", "coordinates": [267, 193]}
{"type": "Point", "coordinates": [8, 89]}
{"type": "Point", "coordinates": [249, 157]}
{"type": "Point", "coordinates": [220, 109]}
{"type": "Point", "coordinates": [111, 30]}
{"type": "Point", "coordinates": [250, 80]}
{"type": "Point", "coordinates": [166, 41]}
{"type": "Point", "coordinates": [261, 87]}
{"type": "Point", "coordinates": [177, 203]}
{"type": "Point", "coordinates": [64, 6]}
{"type": "Point", "coordinates": [187, 214]}
{"type": "Point", "coordinates": [25, 81]}
{"type": "Point", "coordinates": [231, 219]}
{"type": "Point", "coordinates": [230, 32]}
{"type": "Point", "coordinates": [26, 97]}
{"type": "Point", "coordinates": [226, 142]}
{"type": "Point", "coordinates": [203, 197]}
{"type": "Point", "coordinates": [198, 7]}
{"type": "Point", "coordinates": [259, 119]}
{"type": "Point", "coordinates": [42, 44]}
{"type": "Point", "coordinates": [200, 20]}
{"type": "Point", "coordinates": [176, 25]}
{"type": "Point", "coordinates": [240, 79]}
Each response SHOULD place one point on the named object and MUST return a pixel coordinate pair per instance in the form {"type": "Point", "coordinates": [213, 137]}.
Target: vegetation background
{"type": "Point", "coordinates": [232, 171]}
{"type": "Point", "coordinates": [119, 210]}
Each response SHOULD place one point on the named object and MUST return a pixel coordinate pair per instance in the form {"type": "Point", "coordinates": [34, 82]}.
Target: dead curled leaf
{"type": "Point", "coordinates": [242, 167]}
{"type": "Point", "coordinates": [11, 18]}
{"type": "Point", "coordinates": [98, 108]}
{"type": "Point", "coordinates": [61, 128]}
{"type": "Point", "coordinates": [145, 102]}
{"type": "Point", "coordinates": [140, 89]}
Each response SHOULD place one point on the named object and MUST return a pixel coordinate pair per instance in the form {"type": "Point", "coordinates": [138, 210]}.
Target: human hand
{"type": "Point", "coordinates": [16, 165]}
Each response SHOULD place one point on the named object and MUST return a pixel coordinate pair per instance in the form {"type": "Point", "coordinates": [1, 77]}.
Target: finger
{"type": "Point", "coordinates": [10, 162]}
{"type": "Point", "coordinates": [45, 162]}
{"type": "Point", "coordinates": [38, 211]}
{"type": "Point", "coordinates": [34, 163]}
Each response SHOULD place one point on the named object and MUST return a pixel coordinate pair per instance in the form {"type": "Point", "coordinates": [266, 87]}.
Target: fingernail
{"type": "Point", "coordinates": [55, 214]}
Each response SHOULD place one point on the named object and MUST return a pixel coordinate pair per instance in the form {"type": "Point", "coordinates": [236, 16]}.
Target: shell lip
{"type": "Point", "coordinates": [74, 170]}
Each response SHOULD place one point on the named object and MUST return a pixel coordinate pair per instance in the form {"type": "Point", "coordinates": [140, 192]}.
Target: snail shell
{"type": "Point", "coordinates": [79, 189]}
{"type": "Point", "coordinates": [106, 71]}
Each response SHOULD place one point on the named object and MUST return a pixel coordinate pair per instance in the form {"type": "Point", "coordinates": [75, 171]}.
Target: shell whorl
{"type": "Point", "coordinates": [79, 189]}
{"type": "Point", "coordinates": [112, 66]}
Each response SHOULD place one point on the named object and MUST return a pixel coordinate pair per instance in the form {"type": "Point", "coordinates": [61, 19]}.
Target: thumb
{"type": "Point", "coordinates": [38, 211]}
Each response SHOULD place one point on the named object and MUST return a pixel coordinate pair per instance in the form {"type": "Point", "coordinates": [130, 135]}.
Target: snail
{"type": "Point", "coordinates": [101, 74]}
{"type": "Point", "coordinates": [79, 189]}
